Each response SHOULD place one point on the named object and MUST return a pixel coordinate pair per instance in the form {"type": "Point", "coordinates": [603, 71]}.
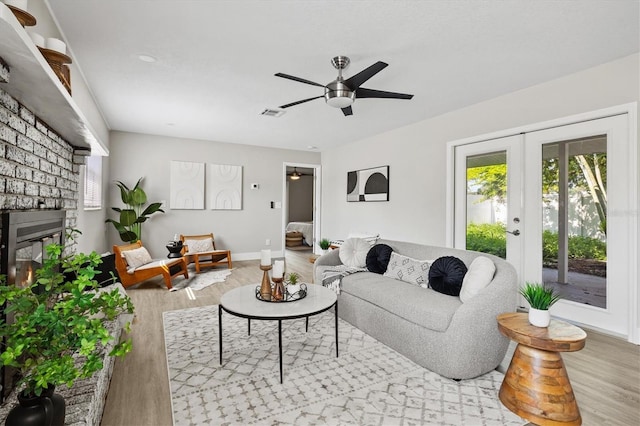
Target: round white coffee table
{"type": "Point", "coordinates": [242, 302]}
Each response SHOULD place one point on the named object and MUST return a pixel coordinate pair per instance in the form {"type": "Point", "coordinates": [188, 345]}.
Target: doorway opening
{"type": "Point", "coordinates": [300, 212]}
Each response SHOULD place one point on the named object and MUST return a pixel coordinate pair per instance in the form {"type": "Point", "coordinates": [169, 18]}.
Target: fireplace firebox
{"type": "Point", "coordinates": [24, 236]}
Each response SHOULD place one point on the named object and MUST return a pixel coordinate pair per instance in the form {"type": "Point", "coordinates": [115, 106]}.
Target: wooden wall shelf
{"type": "Point", "coordinates": [34, 84]}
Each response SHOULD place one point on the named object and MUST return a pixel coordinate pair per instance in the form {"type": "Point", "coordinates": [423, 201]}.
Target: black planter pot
{"type": "Point", "coordinates": [48, 409]}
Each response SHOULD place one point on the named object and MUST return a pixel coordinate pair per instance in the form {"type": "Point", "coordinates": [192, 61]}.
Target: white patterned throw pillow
{"type": "Point", "coordinates": [199, 246]}
{"type": "Point", "coordinates": [136, 258]}
{"type": "Point", "coordinates": [353, 252]}
{"type": "Point", "coordinates": [407, 269]}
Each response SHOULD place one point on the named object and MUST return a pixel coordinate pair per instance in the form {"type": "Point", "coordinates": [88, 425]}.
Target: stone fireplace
{"type": "Point", "coordinates": [24, 236]}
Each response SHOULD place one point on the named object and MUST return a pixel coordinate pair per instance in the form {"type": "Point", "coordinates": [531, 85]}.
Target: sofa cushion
{"type": "Point", "coordinates": [446, 275]}
{"type": "Point", "coordinates": [409, 270]}
{"type": "Point", "coordinates": [353, 252]}
{"type": "Point", "coordinates": [478, 276]}
{"type": "Point", "coordinates": [378, 258]}
{"type": "Point", "coordinates": [421, 306]}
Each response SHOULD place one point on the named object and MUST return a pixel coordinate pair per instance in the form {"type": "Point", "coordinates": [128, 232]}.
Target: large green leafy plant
{"type": "Point", "coordinates": [131, 218]}
{"type": "Point", "coordinates": [56, 327]}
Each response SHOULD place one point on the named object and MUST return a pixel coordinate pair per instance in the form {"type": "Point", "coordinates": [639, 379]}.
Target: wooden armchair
{"type": "Point", "coordinates": [201, 249]}
{"type": "Point", "coordinates": [133, 274]}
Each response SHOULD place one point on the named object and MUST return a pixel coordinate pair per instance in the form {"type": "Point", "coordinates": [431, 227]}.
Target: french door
{"type": "Point", "coordinates": [555, 203]}
{"type": "Point", "coordinates": [490, 219]}
{"type": "Point", "coordinates": [592, 223]}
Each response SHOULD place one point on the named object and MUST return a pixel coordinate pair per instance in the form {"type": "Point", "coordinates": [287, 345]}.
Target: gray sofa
{"type": "Point", "coordinates": [454, 339]}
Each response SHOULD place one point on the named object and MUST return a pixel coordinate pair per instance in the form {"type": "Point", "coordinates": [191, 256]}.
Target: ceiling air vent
{"type": "Point", "coordinates": [273, 112]}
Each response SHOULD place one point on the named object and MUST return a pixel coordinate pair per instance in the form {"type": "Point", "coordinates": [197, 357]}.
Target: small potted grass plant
{"type": "Point", "coordinates": [293, 284]}
{"type": "Point", "coordinates": [324, 245]}
{"type": "Point", "coordinates": [540, 297]}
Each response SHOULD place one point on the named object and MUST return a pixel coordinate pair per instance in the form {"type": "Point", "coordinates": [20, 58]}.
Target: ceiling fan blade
{"type": "Point", "coordinates": [355, 81]}
{"type": "Point", "coordinates": [298, 79]}
{"type": "Point", "coordinates": [371, 93]}
{"type": "Point", "coordinates": [300, 102]}
{"type": "Point", "coordinates": [347, 111]}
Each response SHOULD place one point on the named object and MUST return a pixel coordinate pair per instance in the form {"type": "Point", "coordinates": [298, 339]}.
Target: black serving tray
{"type": "Point", "coordinates": [288, 297]}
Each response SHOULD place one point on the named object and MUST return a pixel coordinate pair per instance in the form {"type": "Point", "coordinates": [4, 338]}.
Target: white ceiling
{"type": "Point", "coordinates": [216, 60]}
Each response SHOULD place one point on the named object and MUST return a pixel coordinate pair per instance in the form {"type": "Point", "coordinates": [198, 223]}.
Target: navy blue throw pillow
{"type": "Point", "coordinates": [378, 258]}
{"type": "Point", "coordinates": [446, 274]}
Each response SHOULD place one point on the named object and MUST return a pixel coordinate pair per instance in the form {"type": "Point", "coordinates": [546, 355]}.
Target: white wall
{"type": "Point", "coordinates": [242, 231]}
{"type": "Point", "coordinates": [416, 154]}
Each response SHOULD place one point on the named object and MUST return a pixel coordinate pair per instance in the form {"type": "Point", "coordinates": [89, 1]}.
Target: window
{"type": "Point", "coordinates": [93, 183]}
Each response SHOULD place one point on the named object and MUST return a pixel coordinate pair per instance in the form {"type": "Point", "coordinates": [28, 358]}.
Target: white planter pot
{"type": "Point", "coordinates": [324, 251]}
{"type": "Point", "coordinates": [293, 289]}
{"type": "Point", "coordinates": [539, 318]}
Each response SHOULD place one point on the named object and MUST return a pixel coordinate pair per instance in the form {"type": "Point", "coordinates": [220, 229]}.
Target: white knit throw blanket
{"type": "Point", "coordinates": [332, 278]}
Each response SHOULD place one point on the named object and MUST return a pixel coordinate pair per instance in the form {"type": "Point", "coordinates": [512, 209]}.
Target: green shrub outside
{"type": "Point", "coordinates": [491, 239]}
{"type": "Point", "coordinates": [579, 247]}
{"type": "Point", "coordinates": [487, 238]}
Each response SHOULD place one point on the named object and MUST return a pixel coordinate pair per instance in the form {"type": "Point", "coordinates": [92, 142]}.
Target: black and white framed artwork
{"type": "Point", "coordinates": [368, 184]}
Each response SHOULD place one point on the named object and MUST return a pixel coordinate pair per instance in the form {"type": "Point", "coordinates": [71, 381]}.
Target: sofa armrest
{"type": "Point", "coordinates": [330, 258]}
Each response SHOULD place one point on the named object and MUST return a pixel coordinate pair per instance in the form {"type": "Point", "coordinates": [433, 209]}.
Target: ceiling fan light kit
{"type": "Point", "coordinates": [341, 93]}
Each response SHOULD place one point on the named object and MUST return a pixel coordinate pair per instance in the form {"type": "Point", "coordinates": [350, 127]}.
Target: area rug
{"type": "Point", "coordinates": [368, 384]}
{"type": "Point", "coordinates": [201, 280]}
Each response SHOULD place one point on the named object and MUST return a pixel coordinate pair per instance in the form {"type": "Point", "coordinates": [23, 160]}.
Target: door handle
{"type": "Point", "coordinates": [515, 232]}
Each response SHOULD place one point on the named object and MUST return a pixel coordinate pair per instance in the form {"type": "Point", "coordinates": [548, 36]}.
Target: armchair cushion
{"type": "Point", "coordinates": [199, 246]}
{"type": "Point", "coordinates": [136, 258]}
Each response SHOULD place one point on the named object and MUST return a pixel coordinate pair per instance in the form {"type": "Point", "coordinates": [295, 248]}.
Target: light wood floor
{"type": "Point", "coordinates": [605, 374]}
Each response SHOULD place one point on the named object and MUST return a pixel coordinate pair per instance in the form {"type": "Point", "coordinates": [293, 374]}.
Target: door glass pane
{"type": "Point", "coordinates": [487, 203]}
{"type": "Point", "coordinates": [574, 239]}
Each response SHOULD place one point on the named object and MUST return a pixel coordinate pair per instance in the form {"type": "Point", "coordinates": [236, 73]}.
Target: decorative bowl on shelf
{"type": "Point", "coordinates": [25, 18]}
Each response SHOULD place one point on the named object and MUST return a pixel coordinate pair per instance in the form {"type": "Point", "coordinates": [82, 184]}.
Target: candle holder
{"type": "Point", "coordinates": [278, 290]}
{"type": "Point", "coordinates": [265, 287]}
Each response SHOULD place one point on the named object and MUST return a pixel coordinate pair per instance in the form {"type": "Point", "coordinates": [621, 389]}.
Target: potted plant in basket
{"type": "Point", "coordinates": [55, 331]}
{"type": "Point", "coordinates": [324, 245]}
{"type": "Point", "coordinates": [540, 298]}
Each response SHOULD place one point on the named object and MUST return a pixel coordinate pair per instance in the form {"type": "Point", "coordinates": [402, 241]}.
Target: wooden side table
{"type": "Point", "coordinates": [536, 385]}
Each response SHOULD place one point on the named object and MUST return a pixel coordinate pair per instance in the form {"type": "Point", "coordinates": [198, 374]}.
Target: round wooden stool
{"type": "Point", "coordinates": [536, 385]}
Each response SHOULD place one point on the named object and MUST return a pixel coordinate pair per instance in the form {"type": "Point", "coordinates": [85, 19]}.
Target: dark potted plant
{"type": "Point", "coordinates": [131, 218]}
{"type": "Point", "coordinates": [540, 298]}
{"type": "Point", "coordinates": [56, 329]}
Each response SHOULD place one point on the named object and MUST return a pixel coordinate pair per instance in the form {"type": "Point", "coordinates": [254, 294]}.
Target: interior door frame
{"type": "Point", "coordinates": [631, 111]}
{"type": "Point", "coordinates": [317, 202]}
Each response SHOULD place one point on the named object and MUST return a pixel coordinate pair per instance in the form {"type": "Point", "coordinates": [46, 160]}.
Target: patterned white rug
{"type": "Point", "coordinates": [199, 281]}
{"type": "Point", "coordinates": [368, 384]}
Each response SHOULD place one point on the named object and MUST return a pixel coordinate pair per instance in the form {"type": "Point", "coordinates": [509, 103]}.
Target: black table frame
{"type": "Point", "coordinates": [279, 319]}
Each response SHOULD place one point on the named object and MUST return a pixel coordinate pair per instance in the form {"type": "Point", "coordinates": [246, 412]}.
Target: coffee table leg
{"type": "Point", "coordinates": [306, 326]}
{"type": "Point", "coordinates": [280, 346]}
{"type": "Point", "coordinates": [336, 329]}
{"type": "Point", "coordinates": [248, 326]}
{"type": "Point", "coordinates": [220, 331]}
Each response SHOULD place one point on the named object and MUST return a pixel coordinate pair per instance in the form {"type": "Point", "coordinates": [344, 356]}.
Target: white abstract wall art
{"type": "Point", "coordinates": [224, 187]}
{"type": "Point", "coordinates": [187, 185]}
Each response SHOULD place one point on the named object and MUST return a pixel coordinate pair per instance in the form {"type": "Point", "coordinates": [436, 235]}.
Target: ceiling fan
{"type": "Point", "coordinates": [295, 175]}
{"type": "Point", "coordinates": [341, 93]}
